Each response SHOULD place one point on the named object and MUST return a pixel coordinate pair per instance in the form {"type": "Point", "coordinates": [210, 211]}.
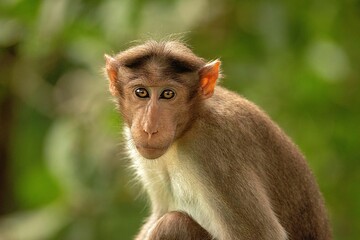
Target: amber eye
{"type": "Point", "coordinates": [167, 94]}
{"type": "Point", "coordinates": [141, 93]}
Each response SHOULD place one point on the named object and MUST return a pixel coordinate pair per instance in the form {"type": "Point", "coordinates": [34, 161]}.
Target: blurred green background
{"type": "Point", "coordinates": [63, 174]}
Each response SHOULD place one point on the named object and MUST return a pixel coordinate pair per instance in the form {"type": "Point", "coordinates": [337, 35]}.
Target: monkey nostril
{"type": "Point", "coordinates": [150, 132]}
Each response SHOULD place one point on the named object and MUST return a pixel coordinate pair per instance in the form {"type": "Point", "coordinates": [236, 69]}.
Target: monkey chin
{"type": "Point", "coordinates": [151, 153]}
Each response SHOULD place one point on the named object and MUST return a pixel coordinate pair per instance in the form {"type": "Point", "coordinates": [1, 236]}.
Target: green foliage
{"type": "Point", "coordinates": [68, 175]}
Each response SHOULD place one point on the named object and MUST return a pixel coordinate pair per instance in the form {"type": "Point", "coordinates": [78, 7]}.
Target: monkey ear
{"type": "Point", "coordinates": [208, 76]}
{"type": "Point", "coordinates": [111, 71]}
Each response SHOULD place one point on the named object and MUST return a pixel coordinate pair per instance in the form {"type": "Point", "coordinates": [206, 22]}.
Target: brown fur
{"type": "Point", "coordinates": [217, 157]}
{"type": "Point", "coordinates": [178, 226]}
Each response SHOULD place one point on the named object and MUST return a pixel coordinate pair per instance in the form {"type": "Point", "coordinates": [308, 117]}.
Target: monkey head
{"type": "Point", "coordinates": [158, 87]}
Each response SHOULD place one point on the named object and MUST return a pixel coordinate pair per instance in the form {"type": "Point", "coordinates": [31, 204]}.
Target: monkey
{"type": "Point", "coordinates": [213, 164]}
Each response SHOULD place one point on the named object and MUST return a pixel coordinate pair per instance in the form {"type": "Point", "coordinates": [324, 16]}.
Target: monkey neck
{"type": "Point", "coordinates": [169, 182]}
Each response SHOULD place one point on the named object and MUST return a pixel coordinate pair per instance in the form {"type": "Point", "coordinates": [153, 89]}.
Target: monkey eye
{"type": "Point", "coordinates": [167, 94]}
{"type": "Point", "coordinates": [141, 93]}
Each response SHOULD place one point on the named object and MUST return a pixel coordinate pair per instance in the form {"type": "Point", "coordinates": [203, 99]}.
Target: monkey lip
{"type": "Point", "coordinates": [151, 152]}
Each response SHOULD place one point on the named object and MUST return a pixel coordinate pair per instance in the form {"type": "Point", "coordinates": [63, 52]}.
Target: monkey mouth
{"type": "Point", "coordinates": [152, 148]}
{"type": "Point", "coordinates": [150, 152]}
{"type": "Point", "coordinates": [149, 147]}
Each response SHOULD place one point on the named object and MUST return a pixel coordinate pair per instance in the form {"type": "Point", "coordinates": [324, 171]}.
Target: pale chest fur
{"type": "Point", "coordinates": [173, 184]}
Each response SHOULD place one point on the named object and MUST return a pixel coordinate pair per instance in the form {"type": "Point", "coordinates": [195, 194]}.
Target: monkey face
{"type": "Point", "coordinates": [156, 115]}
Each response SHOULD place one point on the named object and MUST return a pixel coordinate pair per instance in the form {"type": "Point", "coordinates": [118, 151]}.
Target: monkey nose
{"type": "Point", "coordinates": [150, 132]}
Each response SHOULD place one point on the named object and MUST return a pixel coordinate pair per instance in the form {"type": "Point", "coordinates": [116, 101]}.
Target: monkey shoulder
{"type": "Point", "coordinates": [228, 127]}
{"type": "Point", "coordinates": [232, 114]}
{"type": "Point", "coordinates": [235, 128]}
{"type": "Point", "coordinates": [229, 104]}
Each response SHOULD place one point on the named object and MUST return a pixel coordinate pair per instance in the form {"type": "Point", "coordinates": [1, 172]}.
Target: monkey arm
{"type": "Point", "coordinates": [172, 225]}
{"type": "Point", "coordinates": [178, 225]}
